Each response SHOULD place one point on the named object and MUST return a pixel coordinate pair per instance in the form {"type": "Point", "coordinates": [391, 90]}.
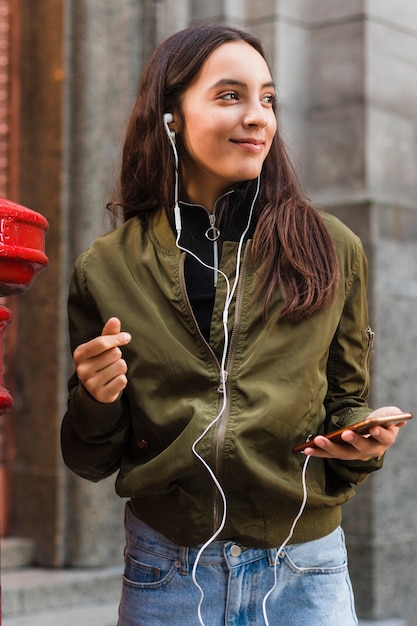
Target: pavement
{"type": "Point", "coordinates": [58, 597]}
{"type": "Point", "coordinates": [98, 615]}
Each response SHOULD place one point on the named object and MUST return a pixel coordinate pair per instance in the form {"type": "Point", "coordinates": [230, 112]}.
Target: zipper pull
{"type": "Point", "coordinates": [212, 233]}
{"type": "Point", "coordinates": [223, 379]}
{"type": "Point", "coordinates": [371, 338]}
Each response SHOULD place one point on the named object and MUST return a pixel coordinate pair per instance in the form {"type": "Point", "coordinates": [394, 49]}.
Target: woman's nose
{"type": "Point", "coordinates": [256, 115]}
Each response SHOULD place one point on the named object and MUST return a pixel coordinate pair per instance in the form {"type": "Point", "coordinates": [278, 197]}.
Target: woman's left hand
{"type": "Point", "coordinates": [359, 447]}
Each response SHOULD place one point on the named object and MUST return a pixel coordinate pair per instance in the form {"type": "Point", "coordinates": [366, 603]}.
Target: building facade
{"type": "Point", "coordinates": [346, 72]}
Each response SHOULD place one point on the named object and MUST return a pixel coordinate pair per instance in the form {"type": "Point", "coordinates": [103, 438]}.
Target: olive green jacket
{"type": "Point", "coordinates": [285, 381]}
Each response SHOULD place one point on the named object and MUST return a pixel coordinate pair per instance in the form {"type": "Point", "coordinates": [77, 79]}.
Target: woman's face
{"type": "Point", "coordinates": [227, 123]}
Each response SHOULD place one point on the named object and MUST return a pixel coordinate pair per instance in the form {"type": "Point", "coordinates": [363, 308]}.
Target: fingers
{"type": "Point", "coordinates": [99, 363]}
{"type": "Point", "coordinates": [112, 326]}
{"type": "Point", "coordinates": [348, 451]}
{"type": "Point", "coordinates": [110, 338]}
{"type": "Point", "coordinates": [106, 384]}
{"type": "Point", "coordinates": [359, 447]}
{"type": "Point", "coordinates": [385, 410]}
{"type": "Point", "coordinates": [355, 447]}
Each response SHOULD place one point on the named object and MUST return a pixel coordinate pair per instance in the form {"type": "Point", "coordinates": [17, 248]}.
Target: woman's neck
{"type": "Point", "coordinates": [201, 189]}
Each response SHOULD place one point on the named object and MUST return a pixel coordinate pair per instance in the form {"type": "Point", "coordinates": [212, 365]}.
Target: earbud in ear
{"type": "Point", "coordinates": [167, 120]}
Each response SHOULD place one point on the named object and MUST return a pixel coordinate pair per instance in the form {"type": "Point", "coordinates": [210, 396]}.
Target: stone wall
{"type": "Point", "coordinates": [362, 166]}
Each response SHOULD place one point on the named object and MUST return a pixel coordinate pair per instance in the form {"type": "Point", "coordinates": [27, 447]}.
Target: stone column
{"type": "Point", "coordinates": [107, 45]}
{"type": "Point", "coordinates": [37, 481]}
{"type": "Point", "coordinates": [362, 166]}
{"type": "Point", "coordinates": [283, 29]}
{"type": "Point", "coordinates": [80, 63]}
{"type": "Point", "coordinates": [104, 53]}
{"type": "Point", "coordinates": [227, 11]}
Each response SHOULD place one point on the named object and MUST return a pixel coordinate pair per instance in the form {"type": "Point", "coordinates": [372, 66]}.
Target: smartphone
{"type": "Point", "coordinates": [362, 428]}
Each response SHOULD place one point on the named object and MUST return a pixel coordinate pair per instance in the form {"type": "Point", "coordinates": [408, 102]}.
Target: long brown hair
{"type": "Point", "coordinates": [292, 248]}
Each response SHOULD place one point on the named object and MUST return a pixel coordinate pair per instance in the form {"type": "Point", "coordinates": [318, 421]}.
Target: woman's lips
{"type": "Point", "coordinates": [250, 144]}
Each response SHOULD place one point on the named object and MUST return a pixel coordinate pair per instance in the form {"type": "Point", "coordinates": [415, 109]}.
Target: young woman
{"type": "Point", "coordinates": [221, 325]}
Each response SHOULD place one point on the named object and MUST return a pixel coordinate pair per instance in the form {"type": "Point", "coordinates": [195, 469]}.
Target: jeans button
{"type": "Point", "coordinates": [235, 550]}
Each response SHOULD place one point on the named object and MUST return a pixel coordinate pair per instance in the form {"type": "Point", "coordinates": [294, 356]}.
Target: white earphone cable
{"type": "Point", "coordinates": [287, 539]}
{"type": "Point", "coordinates": [229, 297]}
{"type": "Point", "coordinates": [230, 291]}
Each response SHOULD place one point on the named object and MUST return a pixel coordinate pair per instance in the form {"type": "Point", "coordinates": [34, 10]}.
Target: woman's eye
{"type": "Point", "coordinates": [230, 95]}
{"type": "Point", "coordinates": [270, 98]}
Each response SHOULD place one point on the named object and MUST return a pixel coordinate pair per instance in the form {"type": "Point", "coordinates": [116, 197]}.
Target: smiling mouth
{"type": "Point", "coordinates": [251, 146]}
{"type": "Point", "coordinates": [247, 140]}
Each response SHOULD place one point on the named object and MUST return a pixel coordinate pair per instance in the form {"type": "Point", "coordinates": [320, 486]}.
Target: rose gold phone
{"type": "Point", "coordinates": [362, 428]}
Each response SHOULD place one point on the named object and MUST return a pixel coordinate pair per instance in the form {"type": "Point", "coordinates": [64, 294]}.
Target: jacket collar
{"type": "Point", "coordinates": [162, 228]}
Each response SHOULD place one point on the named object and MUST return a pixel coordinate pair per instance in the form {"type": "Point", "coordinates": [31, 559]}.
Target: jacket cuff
{"type": "Point", "coordinates": [355, 472]}
{"type": "Point", "coordinates": [91, 419]}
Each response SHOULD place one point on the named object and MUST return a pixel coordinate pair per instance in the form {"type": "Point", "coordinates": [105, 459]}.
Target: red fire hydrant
{"type": "Point", "coordinates": [22, 257]}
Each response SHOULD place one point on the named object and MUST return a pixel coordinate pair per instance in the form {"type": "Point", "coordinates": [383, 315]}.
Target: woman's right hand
{"type": "Point", "coordinates": [99, 363]}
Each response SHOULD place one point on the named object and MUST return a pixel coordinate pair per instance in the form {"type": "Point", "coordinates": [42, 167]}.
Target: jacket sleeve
{"type": "Point", "coordinates": [93, 434]}
{"type": "Point", "coordinates": [348, 368]}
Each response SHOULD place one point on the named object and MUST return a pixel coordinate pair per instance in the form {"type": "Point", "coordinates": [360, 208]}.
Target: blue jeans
{"type": "Point", "coordinates": [313, 585]}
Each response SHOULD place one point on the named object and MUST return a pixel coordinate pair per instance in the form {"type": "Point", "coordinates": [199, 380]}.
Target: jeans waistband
{"type": "Point", "coordinates": [145, 537]}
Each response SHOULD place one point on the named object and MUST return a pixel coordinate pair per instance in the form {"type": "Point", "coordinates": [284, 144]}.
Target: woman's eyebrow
{"type": "Point", "coordinates": [223, 82]}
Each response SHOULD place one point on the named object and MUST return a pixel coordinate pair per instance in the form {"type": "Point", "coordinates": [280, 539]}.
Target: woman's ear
{"type": "Point", "coordinates": [176, 121]}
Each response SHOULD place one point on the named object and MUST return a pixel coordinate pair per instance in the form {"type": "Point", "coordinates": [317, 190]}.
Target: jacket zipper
{"type": "Point", "coordinates": [224, 384]}
{"type": "Point", "coordinates": [220, 429]}
{"type": "Point", "coordinates": [212, 233]}
{"type": "Point", "coordinates": [366, 363]}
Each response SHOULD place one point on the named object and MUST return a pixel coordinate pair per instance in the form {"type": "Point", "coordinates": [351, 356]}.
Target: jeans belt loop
{"type": "Point", "coordinates": [183, 558]}
{"type": "Point", "coordinates": [272, 556]}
